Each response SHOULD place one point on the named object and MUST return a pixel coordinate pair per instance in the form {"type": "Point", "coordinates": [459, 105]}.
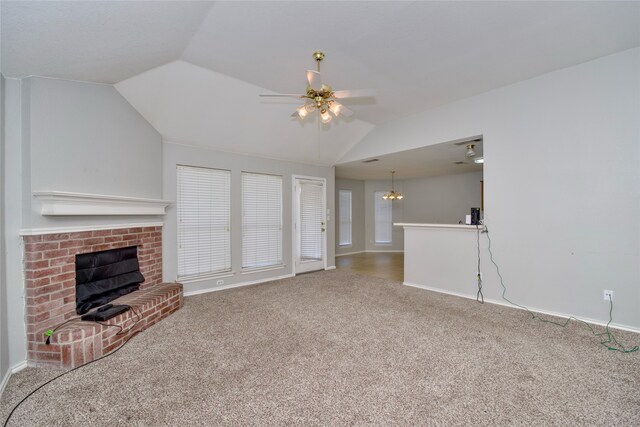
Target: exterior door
{"type": "Point", "coordinates": [310, 226]}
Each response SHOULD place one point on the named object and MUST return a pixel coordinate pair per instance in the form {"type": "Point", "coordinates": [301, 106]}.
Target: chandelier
{"type": "Point", "coordinates": [393, 194]}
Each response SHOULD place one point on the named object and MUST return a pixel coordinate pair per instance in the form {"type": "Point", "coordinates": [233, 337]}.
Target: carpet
{"type": "Point", "coordinates": [337, 348]}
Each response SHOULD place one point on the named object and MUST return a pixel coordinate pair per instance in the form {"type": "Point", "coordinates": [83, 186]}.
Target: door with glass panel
{"type": "Point", "coordinates": [310, 224]}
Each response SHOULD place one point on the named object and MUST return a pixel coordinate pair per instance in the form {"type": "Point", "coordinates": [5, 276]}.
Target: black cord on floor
{"type": "Point", "coordinates": [609, 341]}
{"type": "Point", "coordinates": [138, 315]}
{"type": "Point", "coordinates": [479, 295]}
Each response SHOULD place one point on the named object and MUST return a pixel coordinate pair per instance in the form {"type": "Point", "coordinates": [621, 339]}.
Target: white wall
{"type": "Point", "coordinates": [397, 239]}
{"type": "Point", "coordinates": [68, 136]}
{"type": "Point", "coordinates": [177, 154]}
{"type": "Point", "coordinates": [4, 330]}
{"type": "Point", "coordinates": [562, 175]}
{"type": "Point", "coordinates": [357, 215]}
{"type": "Point", "coordinates": [86, 138]}
{"type": "Point", "coordinates": [441, 199]}
{"type": "Point", "coordinates": [13, 167]}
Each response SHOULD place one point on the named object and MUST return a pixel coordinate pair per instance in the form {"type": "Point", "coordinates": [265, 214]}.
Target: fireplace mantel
{"type": "Point", "coordinates": [66, 203]}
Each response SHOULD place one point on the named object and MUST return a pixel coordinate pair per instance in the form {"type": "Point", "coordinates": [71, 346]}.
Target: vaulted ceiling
{"type": "Point", "coordinates": [418, 55]}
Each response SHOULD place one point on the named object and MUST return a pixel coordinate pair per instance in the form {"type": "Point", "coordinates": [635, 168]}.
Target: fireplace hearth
{"type": "Point", "coordinates": [55, 263]}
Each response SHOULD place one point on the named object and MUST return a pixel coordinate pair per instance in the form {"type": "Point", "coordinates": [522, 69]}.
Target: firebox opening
{"type": "Point", "coordinates": [104, 276]}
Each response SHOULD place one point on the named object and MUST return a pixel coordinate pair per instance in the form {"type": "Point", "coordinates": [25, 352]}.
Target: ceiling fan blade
{"type": "Point", "coordinates": [286, 95]}
{"type": "Point", "coordinates": [314, 79]}
{"type": "Point", "coordinates": [336, 108]}
{"type": "Point", "coordinates": [354, 93]}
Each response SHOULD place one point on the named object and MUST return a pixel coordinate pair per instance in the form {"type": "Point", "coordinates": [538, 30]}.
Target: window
{"type": "Point", "coordinates": [344, 206]}
{"type": "Point", "coordinates": [204, 221]}
{"type": "Point", "coordinates": [383, 216]}
{"type": "Point", "coordinates": [261, 220]}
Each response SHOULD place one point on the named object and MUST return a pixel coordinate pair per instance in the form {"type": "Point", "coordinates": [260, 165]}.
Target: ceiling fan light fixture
{"type": "Point", "coordinates": [335, 108]}
{"type": "Point", "coordinates": [325, 116]}
{"type": "Point", "coordinates": [302, 111]}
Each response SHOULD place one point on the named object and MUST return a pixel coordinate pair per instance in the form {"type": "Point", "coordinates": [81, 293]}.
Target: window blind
{"type": "Point", "coordinates": [261, 220]}
{"type": "Point", "coordinates": [344, 205]}
{"type": "Point", "coordinates": [311, 221]}
{"type": "Point", "coordinates": [204, 221]}
{"type": "Point", "coordinates": [383, 216]}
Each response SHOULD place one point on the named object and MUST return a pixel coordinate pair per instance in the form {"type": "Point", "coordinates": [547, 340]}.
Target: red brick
{"type": "Point", "coordinates": [41, 356]}
{"type": "Point", "coordinates": [93, 241]}
{"type": "Point", "coordinates": [36, 283]}
{"type": "Point", "coordinates": [47, 289]}
{"type": "Point", "coordinates": [66, 356]}
{"type": "Point", "coordinates": [36, 265]}
{"type": "Point", "coordinates": [102, 233]}
{"type": "Point", "coordinates": [46, 306]}
{"type": "Point", "coordinates": [44, 246]}
{"type": "Point", "coordinates": [65, 292]}
{"type": "Point", "coordinates": [67, 268]}
{"type": "Point", "coordinates": [62, 261]}
{"type": "Point", "coordinates": [32, 256]}
{"type": "Point", "coordinates": [56, 253]}
{"type": "Point", "coordinates": [56, 237]}
{"type": "Point", "coordinates": [81, 235]}
{"type": "Point", "coordinates": [69, 284]}
{"type": "Point", "coordinates": [70, 244]}
{"type": "Point", "coordinates": [41, 316]}
{"type": "Point", "coordinates": [36, 274]}
{"type": "Point", "coordinates": [63, 277]}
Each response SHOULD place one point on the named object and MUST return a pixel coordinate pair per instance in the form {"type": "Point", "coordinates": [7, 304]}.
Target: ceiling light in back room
{"type": "Point", "coordinates": [470, 150]}
{"type": "Point", "coordinates": [478, 160]}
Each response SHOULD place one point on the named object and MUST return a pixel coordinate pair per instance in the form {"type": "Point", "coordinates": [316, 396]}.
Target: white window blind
{"type": "Point", "coordinates": [261, 220]}
{"type": "Point", "coordinates": [383, 215]}
{"type": "Point", "coordinates": [344, 205]}
{"type": "Point", "coordinates": [204, 221]}
{"type": "Point", "coordinates": [311, 221]}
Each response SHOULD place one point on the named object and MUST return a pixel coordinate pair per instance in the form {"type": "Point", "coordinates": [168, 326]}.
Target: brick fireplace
{"type": "Point", "coordinates": [50, 292]}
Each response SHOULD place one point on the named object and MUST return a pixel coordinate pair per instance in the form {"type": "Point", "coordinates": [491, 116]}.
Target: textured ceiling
{"type": "Point", "coordinates": [418, 55]}
{"type": "Point", "coordinates": [94, 41]}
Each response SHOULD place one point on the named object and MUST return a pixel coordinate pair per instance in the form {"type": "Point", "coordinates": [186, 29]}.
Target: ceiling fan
{"type": "Point", "coordinates": [320, 96]}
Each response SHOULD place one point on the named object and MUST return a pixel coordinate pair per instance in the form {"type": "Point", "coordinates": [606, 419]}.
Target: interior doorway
{"type": "Point", "coordinates": [310, 224]}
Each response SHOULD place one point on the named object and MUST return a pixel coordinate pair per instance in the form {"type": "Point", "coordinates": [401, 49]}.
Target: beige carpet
{"type": "Point", "coordinates": [336, 348]}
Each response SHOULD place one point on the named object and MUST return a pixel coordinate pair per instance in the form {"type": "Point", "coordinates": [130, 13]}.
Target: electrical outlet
{"type": "Point", "coordinates": [220, 282]}
{"type": "Point", "coordinates": [608, 295]}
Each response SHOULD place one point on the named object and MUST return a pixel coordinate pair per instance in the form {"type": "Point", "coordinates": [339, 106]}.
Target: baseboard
{"type": "Point", "coordinates": [350, 253]}
{"type": "Point", "coordinates": [535, 310]}
{"type": "Point", "coordinates": [380, 251]}
{"type": "Point", "coordinates": [236, 285]}
{"type": "Point", "coordinates": [7, 376]}
{"type": "Point", "coordinates": [331, 267]}
{"type": "Point", "coordinates": [18, 367]}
